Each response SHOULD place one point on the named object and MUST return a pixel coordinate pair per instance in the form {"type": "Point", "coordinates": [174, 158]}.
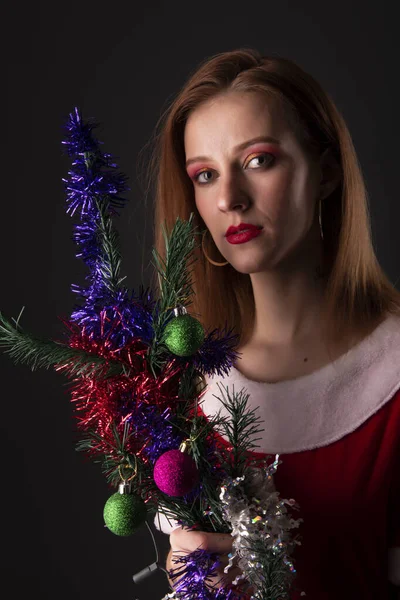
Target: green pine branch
{"type": "Point", "coordinates": [110, 264]}
{"type": "Point", "coordinates": [38, 353]}
{"type": "Point", "coordinates": [107, 235]}
{"type": "Point", "coordinates": [240, 428]}
{"type": "Point", "coordinates": [205, 511]}
{"type": "Point", "coordinates": [208, 509]}
{"type": "Point", "coordinates": [117, 460]}
{"type": "Point", "coordinates": [174, 272]}
{"type": "Point", "coordinates": [175, 282]}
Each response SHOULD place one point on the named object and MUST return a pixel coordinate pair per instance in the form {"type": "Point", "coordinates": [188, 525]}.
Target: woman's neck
{"type": "Point", "coordinates": [287, 309]}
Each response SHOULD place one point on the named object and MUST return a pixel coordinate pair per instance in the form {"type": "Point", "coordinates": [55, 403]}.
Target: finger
{"type": "Point", "coordinates": [187, 540]}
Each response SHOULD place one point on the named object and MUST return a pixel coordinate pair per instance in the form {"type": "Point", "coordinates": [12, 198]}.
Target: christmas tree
{"type": "Point", "coordinates": [137, 365]}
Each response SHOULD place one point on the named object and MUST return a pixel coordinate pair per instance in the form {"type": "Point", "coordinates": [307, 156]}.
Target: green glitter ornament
{"type": "Point", "coordinates": [183, 334]}
{"type": "Point", "coordinates": [124, 512]}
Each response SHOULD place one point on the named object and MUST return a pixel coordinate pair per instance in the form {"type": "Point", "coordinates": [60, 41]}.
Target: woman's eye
{"type": "Point", "coordinates": [206, 179]}
{"type": "Point", "coordinates": [258, 160]}
{"type": "Point", "coordinates": [262, 159]}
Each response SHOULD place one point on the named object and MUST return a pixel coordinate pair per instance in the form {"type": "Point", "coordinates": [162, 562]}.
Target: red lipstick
{"type": "Point", "coordinates": [242, 233]}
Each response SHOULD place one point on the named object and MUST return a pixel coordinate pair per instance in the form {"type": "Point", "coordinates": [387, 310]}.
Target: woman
{"type": "Point", "coordinates": [258, 151]}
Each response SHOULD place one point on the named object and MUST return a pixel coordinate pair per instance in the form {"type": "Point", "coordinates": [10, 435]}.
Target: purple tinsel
{"type": "Point", "coordinates": [93, 187]}
{"type": "Point", "coordinates": [129, 316]}
{"type": "Point", "coordinates": [93, 190]}
{"type": "Point", "coordinates": [191, 573]}
{"type": "Point", "coordinates": [94, 174]}
{"type": "Point", "coordinates": [159, 429]}
{"type": "Point", "coordinates": [217, 353]}
{"type": "Point", "coordinates": [79, 135]}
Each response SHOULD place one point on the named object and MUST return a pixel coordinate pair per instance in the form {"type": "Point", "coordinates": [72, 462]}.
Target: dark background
{"type": "Point", "coordinates": [121, 62]}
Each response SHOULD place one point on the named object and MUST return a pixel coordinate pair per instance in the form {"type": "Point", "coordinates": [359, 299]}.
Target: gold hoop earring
{"type": "Point", "coordinates": [213, 262]}
{"type": "Point", "coordinates": [320, 219]}
{"type": "Point", "coordinates": [319, 270]}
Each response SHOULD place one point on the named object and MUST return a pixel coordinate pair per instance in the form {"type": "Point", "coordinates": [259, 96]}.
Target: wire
{"type": "Point", "coordinates": [156, 550]}
{"type": "Point", "coordinates": [154, 541]}
{"type": "Point", "coordinates": [150, 569]}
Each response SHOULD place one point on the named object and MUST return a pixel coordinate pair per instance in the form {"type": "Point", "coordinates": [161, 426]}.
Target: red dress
{"type": "Point", "coordinates": [337, 431]}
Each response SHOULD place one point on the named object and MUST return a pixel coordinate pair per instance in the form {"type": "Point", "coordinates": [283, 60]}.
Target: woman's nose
{"type": "Point", "coordinates": [232, 195]}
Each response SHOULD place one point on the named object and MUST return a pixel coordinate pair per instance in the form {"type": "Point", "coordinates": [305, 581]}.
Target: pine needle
{"type": "Point", "coordinates": [23, 348]}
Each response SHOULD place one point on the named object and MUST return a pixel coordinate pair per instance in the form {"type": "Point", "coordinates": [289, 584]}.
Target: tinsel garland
{"type": "Point", "coordinates": [135, 399]}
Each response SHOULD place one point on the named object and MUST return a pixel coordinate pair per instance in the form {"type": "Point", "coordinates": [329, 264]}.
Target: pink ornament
{"type": "Point", "coordinates": [175, 473]}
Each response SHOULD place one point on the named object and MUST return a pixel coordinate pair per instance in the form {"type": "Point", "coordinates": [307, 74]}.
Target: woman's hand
{"type": "Point", "coordinates": [184, 541]}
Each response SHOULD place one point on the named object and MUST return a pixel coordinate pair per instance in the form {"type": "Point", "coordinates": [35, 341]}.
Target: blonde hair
{"type": "Point", "coordinates": [358, 293]}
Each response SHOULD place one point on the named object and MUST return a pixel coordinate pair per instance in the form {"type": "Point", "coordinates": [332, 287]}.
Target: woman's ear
{"type": "Point", "coordinates": [331, 173]}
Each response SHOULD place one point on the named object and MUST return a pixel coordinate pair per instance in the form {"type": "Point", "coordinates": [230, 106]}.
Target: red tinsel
{"type": "Point", "coordinates": [104, 404]}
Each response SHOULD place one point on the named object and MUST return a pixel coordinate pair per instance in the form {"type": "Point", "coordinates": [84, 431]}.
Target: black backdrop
{"type": "Point", "coordinates": [121, 62]}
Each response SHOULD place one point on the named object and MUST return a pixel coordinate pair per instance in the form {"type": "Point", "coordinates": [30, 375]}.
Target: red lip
{"type": "Point", "coordinates": [241, 227]}
{"type": "Point", "coordinates": [241, 237]}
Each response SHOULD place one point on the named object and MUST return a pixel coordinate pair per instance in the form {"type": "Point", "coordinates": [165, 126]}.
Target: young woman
{"type": "Point", "coordinates": [258, 151]}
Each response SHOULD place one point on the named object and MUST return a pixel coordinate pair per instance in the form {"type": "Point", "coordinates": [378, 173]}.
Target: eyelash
{"type": "Point", "coordinates": [252, 157]}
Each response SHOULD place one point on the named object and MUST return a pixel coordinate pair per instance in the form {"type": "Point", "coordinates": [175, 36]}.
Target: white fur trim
{"type": "Point", "coordinates": [317, 409]}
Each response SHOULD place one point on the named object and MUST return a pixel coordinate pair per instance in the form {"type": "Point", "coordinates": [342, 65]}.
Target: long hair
{"type": "Point", "coordinates": [358, 294]}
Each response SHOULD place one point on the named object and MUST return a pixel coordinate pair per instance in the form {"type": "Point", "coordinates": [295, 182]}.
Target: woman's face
{"type": "Point", "coordinates": [247, 167]}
